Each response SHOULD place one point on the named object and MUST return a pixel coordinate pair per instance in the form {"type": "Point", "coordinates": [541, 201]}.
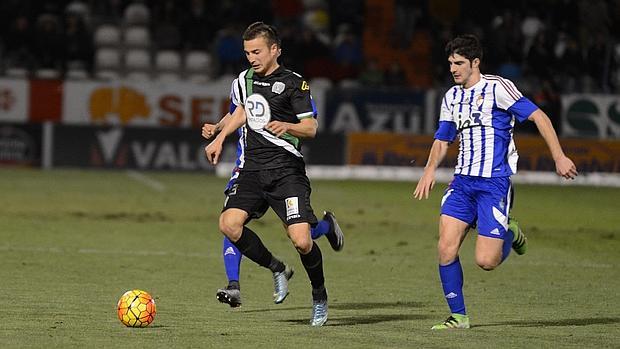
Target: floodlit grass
{"type": "Point", "coordinates": [71, 242]}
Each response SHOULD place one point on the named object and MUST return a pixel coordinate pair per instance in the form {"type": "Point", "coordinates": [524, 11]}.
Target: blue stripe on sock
{"type": "Point", "coordinates": [321, 229]}
{"type": "Point", "coordinates": [452, 281]}
{"type": "Point", "coordinates": [232, 260]}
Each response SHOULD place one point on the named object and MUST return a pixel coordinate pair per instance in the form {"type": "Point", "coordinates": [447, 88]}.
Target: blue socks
{"type": "Point", "coordinates": [507, 246]}
{"type": "Point", "coordinates": [232, 260]}
{"type": "Point", "coordinates": [452, 281]}
{"type": "Point", "coordinates": [321, 229]}
{"type": "Point", "coordinates": [451, 276]}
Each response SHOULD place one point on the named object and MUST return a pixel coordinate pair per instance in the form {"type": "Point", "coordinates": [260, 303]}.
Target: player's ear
{"type": "Point", "coordinates": [475, 63]}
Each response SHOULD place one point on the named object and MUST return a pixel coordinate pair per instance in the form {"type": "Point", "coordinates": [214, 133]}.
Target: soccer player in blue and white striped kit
{"type": "Point", "coordinates": [328, 226]}
{"type": "Point", "coordinates": [481, 111]}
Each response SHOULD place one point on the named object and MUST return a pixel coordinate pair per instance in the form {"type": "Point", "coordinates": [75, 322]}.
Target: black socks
{"type": "Point", "coordinates": [252, 247]}
{"type": "Point", "coordinates": [313, 263]}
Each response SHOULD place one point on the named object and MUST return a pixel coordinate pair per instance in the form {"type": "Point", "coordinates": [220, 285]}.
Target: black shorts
{"type": "Point", "coordinates": [285, 190]}
{"type": "Point", "coordinates": [255, 214]}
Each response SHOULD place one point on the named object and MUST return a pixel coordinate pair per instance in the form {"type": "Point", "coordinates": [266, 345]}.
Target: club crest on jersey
{"type": "Point", "coordinates": [278, 87]}
{"type": "Point", "coordinates": [479, 101]}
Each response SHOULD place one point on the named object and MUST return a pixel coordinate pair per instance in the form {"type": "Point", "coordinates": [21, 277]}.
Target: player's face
{"type": "Point", "coordinates": [261, 56]}
{"type": "Point", "coordinates": [464, 71]}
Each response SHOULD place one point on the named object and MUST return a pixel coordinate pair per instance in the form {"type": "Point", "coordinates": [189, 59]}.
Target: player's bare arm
{"type": "Point", "coordinates": [210, 130]}
{"type": "Point", "coordinates": [214, 149]}
{"type": "Point", "coordinates": [564, 166]}
{"type": "Point", "coordinates": [306, 128]}
{"type": "Point", "coordinates": [438, 152]}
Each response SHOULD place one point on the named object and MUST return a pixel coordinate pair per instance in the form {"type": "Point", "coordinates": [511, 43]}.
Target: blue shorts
{"type": "Point", "coordinates": [485, 201]}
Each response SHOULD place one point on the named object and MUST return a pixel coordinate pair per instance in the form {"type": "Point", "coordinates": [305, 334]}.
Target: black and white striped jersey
{"type": "Point", "coordinates": [283, 96]}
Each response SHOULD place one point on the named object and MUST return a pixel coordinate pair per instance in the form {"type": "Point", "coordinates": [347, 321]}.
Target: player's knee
{"type": "Point", "coordinates": [230, 228]}
{"type": "Point", "coordinates": [303, 245]}
{"type": "Point", "coordinates": [487, 267]}
{"type": "Point", "coordinates": [487, 263]}
{"type": "Point", "coordinates": [447, 251]}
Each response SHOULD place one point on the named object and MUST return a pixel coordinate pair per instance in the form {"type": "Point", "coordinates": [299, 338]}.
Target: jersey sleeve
{"type": "Point", "coordinates": [302, 102]}
{"type": "Point", "coordinates": [509, 98]}
{"type": "Point", "coordinates": [447, 127]}
{"type": "Point", "coordinates": [234, 95]}
{"type": "Point", "coordinates": [240, 88]}
{"type": "Point", "coordinates": [522, 109]}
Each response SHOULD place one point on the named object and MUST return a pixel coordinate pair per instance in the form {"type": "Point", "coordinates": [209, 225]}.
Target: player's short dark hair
{"type": "Point", "coordinates": [257, 29]}
{"type": "Point", "coordinates": [466, 45]}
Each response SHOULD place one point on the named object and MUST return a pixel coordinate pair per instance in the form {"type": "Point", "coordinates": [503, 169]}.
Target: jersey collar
{"type": "Point", "coordinates": [480, 82]}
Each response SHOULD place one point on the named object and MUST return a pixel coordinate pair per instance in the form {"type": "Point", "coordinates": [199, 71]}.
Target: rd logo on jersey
{"type": "Point", "coordinates": [305, 86]}
{"type": "Point", "coordinates": [257, 112]}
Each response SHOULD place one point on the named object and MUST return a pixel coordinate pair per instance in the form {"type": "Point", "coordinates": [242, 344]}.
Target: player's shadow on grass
{"type": "Point", "coordinates": [362, 319]}
{"type": "Point", "coordinates": [374, 305]}
{"type": "Point", "coordinates": [351, 306]}
{"type": "Point", "coordinates": [557, 322]}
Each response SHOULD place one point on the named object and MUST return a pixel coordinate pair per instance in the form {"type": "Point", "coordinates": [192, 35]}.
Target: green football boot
{"type": "Point", "coordinates": [454, 321]}
{"type": "Point", "coordinates": [519, 241]}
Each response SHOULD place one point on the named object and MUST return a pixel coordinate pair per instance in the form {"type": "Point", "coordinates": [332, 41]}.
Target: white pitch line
{"type": "Point", "coordinates": [149, 182]}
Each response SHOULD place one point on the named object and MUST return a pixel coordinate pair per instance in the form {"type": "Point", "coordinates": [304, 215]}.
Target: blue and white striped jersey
{"type": "Point", "coordinates": [234, 102]}
{"type": "Point", "coordinates": [483, 117]}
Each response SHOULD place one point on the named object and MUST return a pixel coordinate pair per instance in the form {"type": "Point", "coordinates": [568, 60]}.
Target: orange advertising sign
{"type": "Point", "coordinates": [388, 149]}
{"type": "Point", "coordinates": [124, 102]}
{"type": "Point", "coordinates": [589, 155]}
{"type": "Point", "coordinates": [392, 149]}
{"type": "Point", "coordinates": [182, 104]}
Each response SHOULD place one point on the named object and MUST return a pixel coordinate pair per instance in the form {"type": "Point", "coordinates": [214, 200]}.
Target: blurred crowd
{"type": "Point", "coordinates": [561, 45]}
{"type": "Point", "coordinates": [547, 46]}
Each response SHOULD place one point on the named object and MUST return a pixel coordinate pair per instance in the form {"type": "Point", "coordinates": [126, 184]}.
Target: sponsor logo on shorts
{"type": "Point", "coordinates": [292, 208]}
{"type": "Point", "coordinates": [495, 232]}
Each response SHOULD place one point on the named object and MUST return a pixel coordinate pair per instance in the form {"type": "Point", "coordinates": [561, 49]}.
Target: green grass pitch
{"type": "Point", "coordinates": [71, 242]}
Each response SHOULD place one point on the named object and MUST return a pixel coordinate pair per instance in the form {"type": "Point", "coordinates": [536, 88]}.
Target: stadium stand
{"type": "Point", "coordinates": [107, 36]}
{"type": "Point", "coordinates": [575, 47]}
{"type": "Point", "coordinates": [137, 37]}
